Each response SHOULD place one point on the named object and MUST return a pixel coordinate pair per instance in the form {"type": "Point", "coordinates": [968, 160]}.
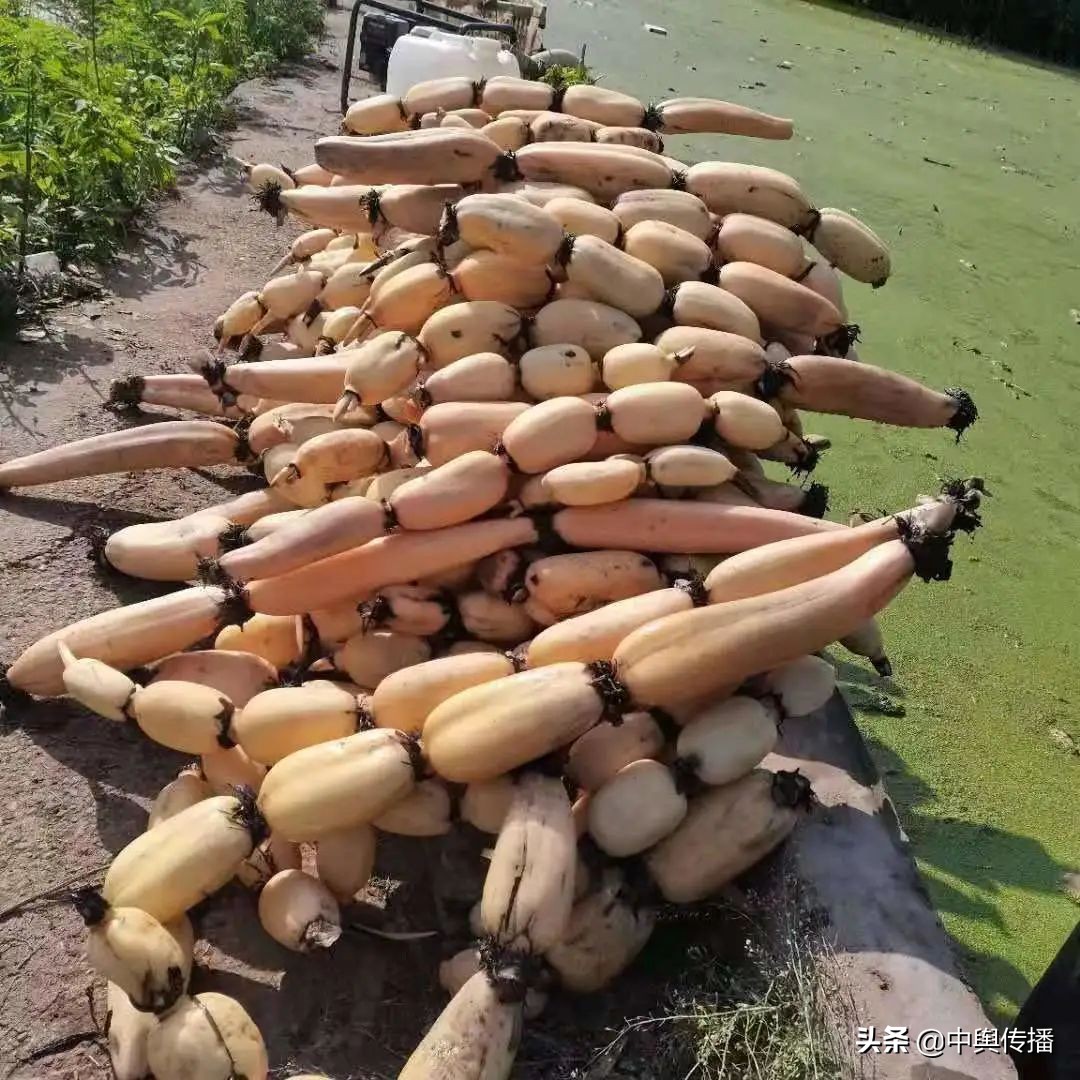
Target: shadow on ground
{"type": "Point", "coordinates": [118, 763]}
{"type": "Point", "coordinates": [156, 257]}
{"type": "Point", "coordinates": [964, 865]}
{"type": "Point", "coordinates": [24, 367]}
{"type": "Point", "coordinates": [67, 511]}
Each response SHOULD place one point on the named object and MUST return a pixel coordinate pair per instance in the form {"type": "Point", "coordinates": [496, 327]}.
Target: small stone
{"type": "Point", "coordinates": [42, 264]}
{"type": "Point", "coordinates": [1070, 886]}
{"type": "Point", "coordinates": [1063, 740]}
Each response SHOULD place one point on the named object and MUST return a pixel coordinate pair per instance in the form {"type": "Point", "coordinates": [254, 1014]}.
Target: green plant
{"type": "Point", "coordinates": [282, 29]}
{"type": "Point", "coordinates": [102, 102]}
{"type": "Point", "coordinates": [562, 77]}
{"type": "Point", "coordinates": [203, 78]}
{"type": "Point", "coordinates": [770, 1019]}
{"type": "Point", "coordinates": [74, 161]}
{"type": "Point", "coordinates": [775, 1014]}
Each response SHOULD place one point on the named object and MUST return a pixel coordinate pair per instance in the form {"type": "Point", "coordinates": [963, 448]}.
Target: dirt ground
{"type": "Point", "coordinates": [75, 787]}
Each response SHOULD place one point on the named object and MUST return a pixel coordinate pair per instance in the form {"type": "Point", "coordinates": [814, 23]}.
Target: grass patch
{"type": "Point", "coordinates": [755, 998]}
{"type": "Point", "coordinates": [741, 987]}
{"type": "Point", "coordinates": [984, 296]}
{"type": "Point", "coordinates": [773, 1018]}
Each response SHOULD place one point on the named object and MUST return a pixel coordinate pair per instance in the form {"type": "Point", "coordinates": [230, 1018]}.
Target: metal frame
{"type": "Point", "coordinates": [462, 24]}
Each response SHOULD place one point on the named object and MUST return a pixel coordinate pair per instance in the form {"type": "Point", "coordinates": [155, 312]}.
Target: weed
{"type": "Point", "coordinates": [775, 1012]}
{"type": "Point", "coordinates": [771, 1018]}
{"type": "Point", "coordinates": [562, 77]}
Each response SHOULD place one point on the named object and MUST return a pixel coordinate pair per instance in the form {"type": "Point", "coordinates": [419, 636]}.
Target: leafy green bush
{"type": "Point", "coordinates": [283, 30]}
{"type": "Point", "coordinates": [99, 111]}
{"type": "Point", "coordinates": [74, 159]}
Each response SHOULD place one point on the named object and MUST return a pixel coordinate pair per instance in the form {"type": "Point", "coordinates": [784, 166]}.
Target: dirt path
{"type": "Point", "coordinates": [75, 787]}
